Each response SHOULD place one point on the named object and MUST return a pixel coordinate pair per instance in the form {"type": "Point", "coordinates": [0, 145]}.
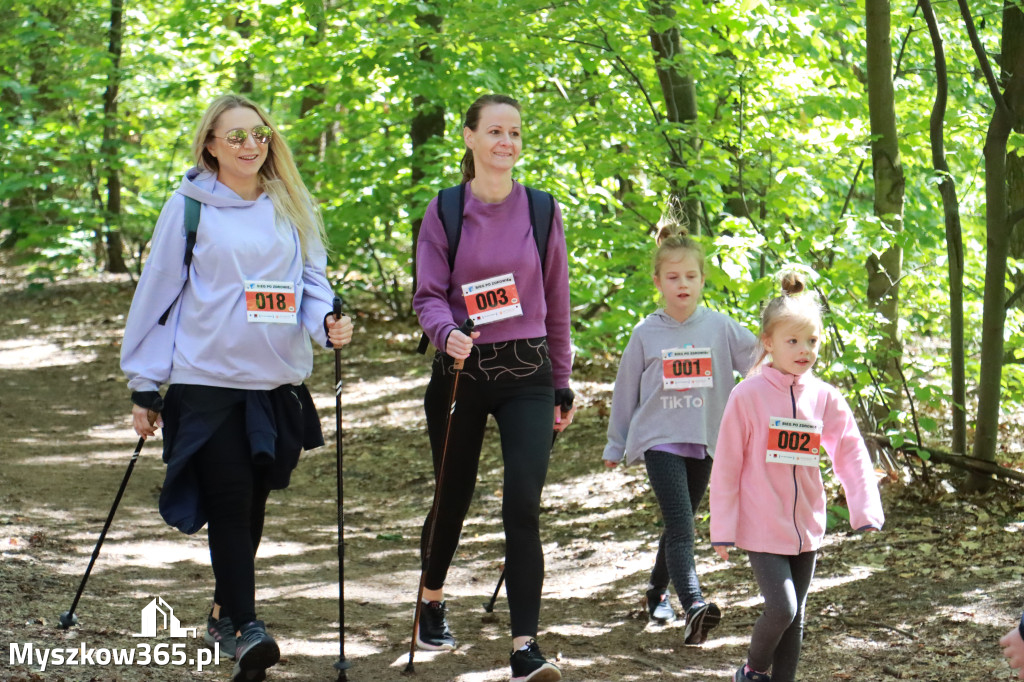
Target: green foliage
{"type": "Point", "coordinates": [778, 157]}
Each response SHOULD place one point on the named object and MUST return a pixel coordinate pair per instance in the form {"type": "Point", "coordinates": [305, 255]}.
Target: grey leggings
{"type": "Point", "coordinates": [778, 633]}
{"type": "Point", "coordinates": [679, 484]}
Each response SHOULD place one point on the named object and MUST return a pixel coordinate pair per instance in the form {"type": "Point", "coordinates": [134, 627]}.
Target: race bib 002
{"type": "Point", "coordinates": [490, 300]}
{"type": "Point", "coordinates": [684, 368]}
{"type": "Point", "coordinates": [794, 441]}
{"type": "Point", "coordinates": [268, 301]}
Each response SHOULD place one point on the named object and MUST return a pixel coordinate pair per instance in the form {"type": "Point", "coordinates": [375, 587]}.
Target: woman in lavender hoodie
{"type": "Point", "coordinates": [767, 495]}
{"type": "Point", "coordinates": [517, 366]}
{"type": "Point", "coordinates": [230, 335]}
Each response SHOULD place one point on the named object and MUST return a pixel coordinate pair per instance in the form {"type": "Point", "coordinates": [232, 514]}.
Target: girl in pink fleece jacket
{"type": "Point", "coordinates": [767, 495]}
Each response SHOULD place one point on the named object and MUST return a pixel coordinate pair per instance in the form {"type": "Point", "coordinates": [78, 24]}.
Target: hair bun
{"type": "Point", "coordinates": [792, 282]}
{"type": "Point", "coordinates": [670, 229]}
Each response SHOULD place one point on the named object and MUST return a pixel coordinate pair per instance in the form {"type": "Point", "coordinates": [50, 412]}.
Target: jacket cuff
{"type": "Point", "coordinates": [151, 400]}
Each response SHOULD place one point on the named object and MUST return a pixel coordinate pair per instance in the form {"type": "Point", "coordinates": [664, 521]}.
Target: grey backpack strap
{"type": "Point", "coordinates": [192, 208]}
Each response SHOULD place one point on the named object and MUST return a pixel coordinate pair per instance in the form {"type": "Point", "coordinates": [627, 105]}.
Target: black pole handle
{"type": "Point", "coordinates": [337, 308]}
{"type": "Point", "coordinates": [467, 329]}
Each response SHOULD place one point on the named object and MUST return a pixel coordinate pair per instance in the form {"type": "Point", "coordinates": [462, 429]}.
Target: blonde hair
{"type": "Point", "coordinates": [278, 176]}
{"type": "Point", "coordinates": [796, 305]}
{"type": "Point", "coordinates": [673, 237]}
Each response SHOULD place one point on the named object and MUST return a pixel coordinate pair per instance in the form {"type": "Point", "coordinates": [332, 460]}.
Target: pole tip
{"type": "Point", "coordinates": [68, 619]}
{"type": "Point", "coordinates": [410, 669]}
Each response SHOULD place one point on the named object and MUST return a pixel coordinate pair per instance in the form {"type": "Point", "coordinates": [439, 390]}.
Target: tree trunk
{"type": "Point", "coordinates": [997, 231]}
{"type": "Point", "coordinates": [427, 124]}
{"type": "Point", "coordinates": [885, 270]}
{"type": "Point", "coordinates": [1013, 53]}
{"type": "Point", "coordinates": [954, 236]}
{"type": "Point", "coordinates": [109, 150]}
{"type": "Point", "coordinates": [680, 94]}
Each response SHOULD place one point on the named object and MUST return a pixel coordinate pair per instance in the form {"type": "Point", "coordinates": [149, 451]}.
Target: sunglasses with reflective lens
{"type": "Point", "coordinates": [236, 136]}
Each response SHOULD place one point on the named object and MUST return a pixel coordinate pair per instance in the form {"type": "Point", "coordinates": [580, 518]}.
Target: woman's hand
{"type": "Point", "coordinates": [145, 421]}
{"type": "Point", "coordinates": [1013, 649]}
{"type": "Point", "coordinates": [459, 345]}
{"type": "Point", "coordinates": [563, 418]}
{"type": "Point", "coordinates": [339, 332]}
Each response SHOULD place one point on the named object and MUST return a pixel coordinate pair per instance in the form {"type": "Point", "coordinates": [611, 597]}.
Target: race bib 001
{"type": "Point", "coordinates": [684, 368]}
{"type": "Point", "coordinates": [490, 300]}
{"type": "Point", "coordinates": [794, 441]}
{"type": "Point", "coordinates": [269, 301]}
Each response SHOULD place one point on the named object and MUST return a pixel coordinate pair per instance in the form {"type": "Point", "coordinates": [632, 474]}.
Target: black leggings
{"type": "Point", "coordinates": [524, 411]}
{"type": "Point", "coordinates": [234, 496]}
{"type": "Point", "coordinates": [779, 631]}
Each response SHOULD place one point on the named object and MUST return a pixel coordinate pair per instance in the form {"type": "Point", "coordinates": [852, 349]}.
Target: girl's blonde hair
{"type": "Point", "coordinates": [278, 176]}
{"type": "Point", "coordinates": [673, 237]}
{"type": "Point", "coordinates": [795, 305]}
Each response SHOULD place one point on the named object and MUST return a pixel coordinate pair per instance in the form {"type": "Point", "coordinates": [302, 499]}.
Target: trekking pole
{"type": "Point", "coordinates": [341, 665]}
{"type": "Point", "coordinates": [68, 618]}
{"type": "Point", "coordinates": [466, 328]}
{"type": "Point", "coordinates": [489, 606]}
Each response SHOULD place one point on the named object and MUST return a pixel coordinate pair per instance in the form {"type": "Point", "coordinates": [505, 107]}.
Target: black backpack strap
{"type": "Point", "coordinates": [542, 215]}
{"type": "Point", "coordinates": [192, 208]}
{"type": "Point", "coordinates": [449, 209]}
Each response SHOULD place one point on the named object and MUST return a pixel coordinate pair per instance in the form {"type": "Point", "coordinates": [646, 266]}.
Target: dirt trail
{"type": "Point", "coordinates": [925, 600]}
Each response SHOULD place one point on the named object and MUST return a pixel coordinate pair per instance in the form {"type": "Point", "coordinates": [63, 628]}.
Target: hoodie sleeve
{"type": "Point", "coordinates": [433, 278]}
{"type": "Point", "coordinates": [148, 346]}
{"type": "Point", "coordinates": [317, 295]}
{"type": "Point", "coordinates": [726, 470]}
{"type": "Point", "coordinates": [556, 294]}
{"type": "Point", "coordinates": [743, 345]}
{"type": "Point", "coordinates": [625, 398]}
{"type": "Point", "coordinates": [852, 464]}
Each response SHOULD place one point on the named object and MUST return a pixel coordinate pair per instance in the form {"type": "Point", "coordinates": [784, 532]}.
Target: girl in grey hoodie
{"type": "Point", "coordinates": [672, 386]}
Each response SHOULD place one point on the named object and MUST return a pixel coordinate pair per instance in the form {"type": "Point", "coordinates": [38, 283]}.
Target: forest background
{"type": "Point", "coordinates": [878, 146]}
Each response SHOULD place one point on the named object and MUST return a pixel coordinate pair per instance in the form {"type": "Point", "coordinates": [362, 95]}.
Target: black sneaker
{"type": "Point", "coordinates": [433, 633]}
{"type": "Point", "coordinates": [659, 607]}
{"type": "Point", "coordinates": [256, 652]}
{"type": "Point", "coordinates": [222, 632]}
{"type": "Point", "coordinates": [700, 618]}
{"type": "Point", "coordinates": [529, 665]}
{"type": "Point", "coordinates": [742, 675]}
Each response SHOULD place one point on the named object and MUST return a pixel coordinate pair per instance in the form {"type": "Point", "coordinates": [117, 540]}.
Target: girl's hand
{"type": "Point", "coordinates": [459, 345]}
{"type": "Point", "coordinates": [610, 464]}
{"type": "Point", "coordinates": [722, 551]}
{"type": "Point", "coordinates": [145, 421]}
{"type": "Point", "coordinates": [339, 332]}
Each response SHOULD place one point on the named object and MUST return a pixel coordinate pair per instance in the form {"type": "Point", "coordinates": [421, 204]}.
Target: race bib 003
{"type": "Point", "coordinates": [490, 300]}
{"type": "Point", "coordinates": [794, 441]}
{"type": "Point", "coordinates": [684, 368]}
{"type": "Point", "coordinates": [268, 301]}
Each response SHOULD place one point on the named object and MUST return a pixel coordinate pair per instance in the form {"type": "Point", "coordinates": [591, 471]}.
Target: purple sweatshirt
{"type": "Point", "coordinates": [496, 239]}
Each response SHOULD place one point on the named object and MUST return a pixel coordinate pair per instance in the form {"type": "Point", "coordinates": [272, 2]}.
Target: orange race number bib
{"type": "Point", "coordinates": [490, 300]}
{"type": "Point", "coordinates": [684, 368]}
{"type": "Point", "coordinates": [794, 441]}
{"type": "Point", "coordinates": [268, 301]}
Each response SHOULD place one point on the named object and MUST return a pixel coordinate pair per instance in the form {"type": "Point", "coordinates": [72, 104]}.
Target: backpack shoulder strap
{"type": "Point", "coordinates": [449, 209]}
{"type": "Point", "coordinates": [192, 209]}
{"type": "Point", "coordinates": [542, 215]}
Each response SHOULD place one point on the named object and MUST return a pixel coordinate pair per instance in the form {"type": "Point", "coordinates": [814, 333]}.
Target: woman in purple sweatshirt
{"type": "Point", "coordinates": [517, 365]}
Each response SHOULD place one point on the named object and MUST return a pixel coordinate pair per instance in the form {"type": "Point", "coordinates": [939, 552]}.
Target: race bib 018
{"type": "Point", "coordinates": [268, 301]}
